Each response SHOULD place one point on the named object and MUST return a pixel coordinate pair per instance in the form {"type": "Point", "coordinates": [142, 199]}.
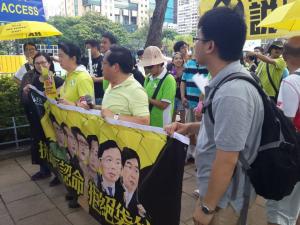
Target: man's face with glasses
{"type": "Point", "coordinates": [30, 51]}
{"type": "Point", "coordinates": [40, 62]}
{"type": "Point", "coordinates": [200, 42]}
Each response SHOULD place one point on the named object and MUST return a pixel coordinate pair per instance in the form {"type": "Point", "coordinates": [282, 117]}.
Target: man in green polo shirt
{"type": "Point", "coordinates": [276, 64]}
{"type": "Point", "coordinates": [124, 99]}
{"type": "Point", "coordinates": [160, 87]}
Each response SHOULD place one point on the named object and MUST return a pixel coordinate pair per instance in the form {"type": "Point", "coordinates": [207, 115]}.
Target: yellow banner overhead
{"type": "Point", "coordinates": [254, 12]}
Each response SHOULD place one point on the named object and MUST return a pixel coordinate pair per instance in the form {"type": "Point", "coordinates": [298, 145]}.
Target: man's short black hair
{"type": "Point", "coordinates": [227, 29]}
{"type": "Point", "coordinates": [107, 145]}
{"type": "Point", "coordinates": [93, 43]}
{"type": "Point", "coordinates": [29, 44]}
{"type": "Point", "coordinates": [178, 45]}
{"type": "Point", "coordinates": [92, 138]}
{"type": "Point", "coordinates": [129, 153]}
{"type": "Point", "coordinates": [261, 49]}
{"type": "Point", "coordinates": [63, 126]}
{"type": "Point", "coordinates": [122, 56]}
{"type": "Point", "coordinates": [140, 52]}
{"type": "Point", "coordinates": [71, 50]}
{"type": "Point", "coordinates": [110, 37]}
{"type": "Point", "coordinates": [75, 131]}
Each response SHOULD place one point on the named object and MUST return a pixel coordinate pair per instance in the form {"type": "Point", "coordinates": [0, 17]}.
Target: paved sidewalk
{"type": "Point", "coordinates": [24, 202]}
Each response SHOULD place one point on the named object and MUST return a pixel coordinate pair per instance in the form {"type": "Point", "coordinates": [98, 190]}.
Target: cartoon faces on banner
{"type": "Point", "coordinates": [114, 171]}
{"type": "Point", "coordinates": [254, 12]}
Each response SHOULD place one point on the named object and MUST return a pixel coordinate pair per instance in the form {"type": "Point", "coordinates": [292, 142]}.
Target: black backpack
{"type": "Point", "coordinates": [276, 169]}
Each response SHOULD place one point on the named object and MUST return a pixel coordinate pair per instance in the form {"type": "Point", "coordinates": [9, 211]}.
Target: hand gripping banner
{"type": "Point", "coordinates": [122, 173]}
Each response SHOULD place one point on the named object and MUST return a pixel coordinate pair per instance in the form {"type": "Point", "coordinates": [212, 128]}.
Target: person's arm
{"type": "Point", "coordinates": [159, 104]}
{"type": "Point", "coordinates": [183, 128]}
{"type": "Point", "coordinates": [182, 93]}
{"type": "Point", "coordinates": [262, 57]}
{"type": "Point", "coordinates": [143, 120]}
{"type": "Point", "coordinates": [220, 177]}
{"type": "Point", "coordinates": [97, 79]}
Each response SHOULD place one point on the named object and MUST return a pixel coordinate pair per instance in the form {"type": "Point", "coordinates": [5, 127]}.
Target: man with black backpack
{"type": "Point", "coordinates": [235, 125]}
{"type": "Point", "coordinates": [286, 211]}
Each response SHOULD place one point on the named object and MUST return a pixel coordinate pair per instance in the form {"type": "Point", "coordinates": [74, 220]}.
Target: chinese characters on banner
{"type": "Point", "coordinates": [122, 173]}
{"type": "Point", "coordinates": [254, 11]}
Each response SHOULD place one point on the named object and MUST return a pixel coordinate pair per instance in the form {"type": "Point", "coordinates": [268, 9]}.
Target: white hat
{"type": "Point", "coordinates": [152, 56]}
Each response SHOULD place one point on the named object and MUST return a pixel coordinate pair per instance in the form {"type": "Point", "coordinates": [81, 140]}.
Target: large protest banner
{"type": "Point", "coordinates": [122, 173]}
{"type": "Point", "coordinates": [18, 10]}
{"type": "Point", "coordinates": [254, 11]}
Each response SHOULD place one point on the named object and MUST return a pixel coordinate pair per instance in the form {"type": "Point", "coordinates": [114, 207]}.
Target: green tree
{"type": "Point", "coordinates": [89, 26]}
{"type": "Point", "coordinates": [7, 47]}
{"type": "Point", "coordinates": [169, 34]}
{"type": "Point", "coordinates": [137, 39]}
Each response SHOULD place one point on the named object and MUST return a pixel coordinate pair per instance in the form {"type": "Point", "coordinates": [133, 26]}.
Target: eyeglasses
{"type": "Point", "coordinates": [30, 49]}
{"type": "Point", "coordinates": [40, 63]}
{"type": "Point", "coordinates": [200, 39]}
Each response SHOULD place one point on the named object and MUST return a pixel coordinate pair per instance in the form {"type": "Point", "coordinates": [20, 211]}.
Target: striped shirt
{"type": "Point", "coordinates": [192, 92]}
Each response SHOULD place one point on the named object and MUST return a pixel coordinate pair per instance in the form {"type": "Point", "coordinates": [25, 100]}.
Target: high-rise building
{"type": "Point", "coordinates": [130, 13]}
{"type": "Point", "coordinates": [187, 16]}
{"type": "Point", "coordinates": [63, 8]}
{"type": "Point", "coordinates": [171, 11]}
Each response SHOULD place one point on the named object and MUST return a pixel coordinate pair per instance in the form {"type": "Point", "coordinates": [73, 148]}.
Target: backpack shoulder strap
{"type": "Point", "coordinates": [27, 67]}
{"type": "Point", "coordinates": [208, 106]}
{"type": "Point", "coordinates": [157, 89]}
{"type": "Point", "coordinates": [271, 80]}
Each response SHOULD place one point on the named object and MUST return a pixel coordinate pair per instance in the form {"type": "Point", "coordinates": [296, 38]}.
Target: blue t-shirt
{"type": "Point", "coordinates": [192, 92]}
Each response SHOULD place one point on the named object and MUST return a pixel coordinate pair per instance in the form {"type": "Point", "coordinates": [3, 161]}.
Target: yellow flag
{"type": "Point", "coordinates": [254, 12]}
{"type": "Point", "coordinates": [49, 84]}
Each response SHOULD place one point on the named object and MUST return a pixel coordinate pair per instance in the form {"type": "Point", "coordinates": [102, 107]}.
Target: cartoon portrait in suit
{"type": "Point", "coordinates": [93, 165]}
{"type": "Point", "coordinates": [130, 180]}
{"type": "Point", "coordinates": [110, 165]}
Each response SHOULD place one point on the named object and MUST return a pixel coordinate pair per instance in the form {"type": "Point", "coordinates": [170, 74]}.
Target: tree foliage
{"type": "Point", "coordinates": [89, 26]}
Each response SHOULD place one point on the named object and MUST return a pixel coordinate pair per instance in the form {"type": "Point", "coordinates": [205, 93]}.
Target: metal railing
{"type": "Point", "coordinates": [14, 127]}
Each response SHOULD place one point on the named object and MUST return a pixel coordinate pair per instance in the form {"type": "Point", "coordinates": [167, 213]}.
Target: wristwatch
{"type": "Point", "coordinates": [206, 210]}
{"type": "Point", "coordinates": [116, 116]}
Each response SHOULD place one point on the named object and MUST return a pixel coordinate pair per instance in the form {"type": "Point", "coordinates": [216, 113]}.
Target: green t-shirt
{"type": "Point", "coordinates": [105, 84]}
{"type": "Point", "coordinates": [276, 72]}
{"type": "Point", "coordinates": [128, 98]}
{"type": "Point", "coordinates": [166, 93]}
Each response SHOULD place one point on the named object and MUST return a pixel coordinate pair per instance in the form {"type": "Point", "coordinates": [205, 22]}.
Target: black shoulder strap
{"type": "Point", "coordinates": [208, 106]}
{"type": "Point", "coordinates": [27, 67]}
{"type": "Point", "coordinates": [157, 90]}
{"type": "Point", "coordinates": [271, 81]}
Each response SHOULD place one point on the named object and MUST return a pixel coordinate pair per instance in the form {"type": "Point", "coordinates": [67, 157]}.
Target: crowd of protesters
{"type": "Point", "coordinates": [151, 91]}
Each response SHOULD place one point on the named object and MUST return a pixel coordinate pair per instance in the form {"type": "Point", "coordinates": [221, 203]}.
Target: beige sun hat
{"type": "Point", "coordinates": [152, 56]}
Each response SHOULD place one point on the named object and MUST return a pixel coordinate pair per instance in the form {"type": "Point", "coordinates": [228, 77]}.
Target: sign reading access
{"type": "Point", "coordinates": [18, 10]}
